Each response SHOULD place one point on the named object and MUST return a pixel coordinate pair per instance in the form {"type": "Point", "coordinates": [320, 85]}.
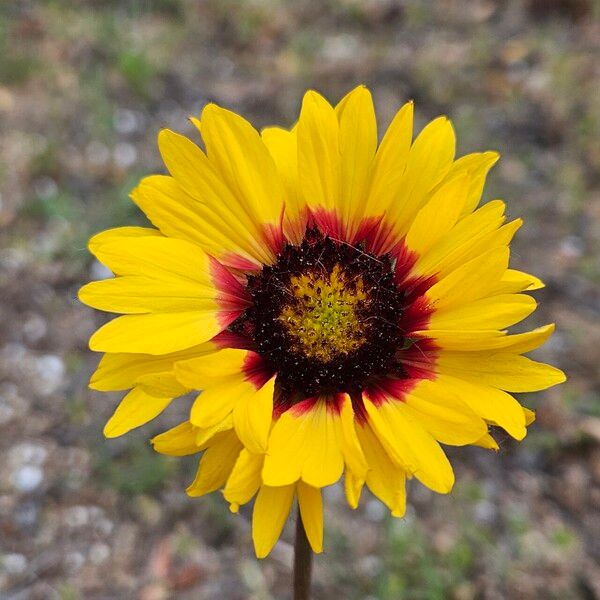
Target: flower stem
{"type": "Point", "coordinates": [302, 562]}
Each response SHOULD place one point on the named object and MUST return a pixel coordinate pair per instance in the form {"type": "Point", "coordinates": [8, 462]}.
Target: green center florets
{"type": "Point", "coordinates": [322, 318]}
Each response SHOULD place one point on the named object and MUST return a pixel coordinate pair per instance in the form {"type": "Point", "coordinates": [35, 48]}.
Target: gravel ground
{"type": "Point", "coordinates": [84, 88]}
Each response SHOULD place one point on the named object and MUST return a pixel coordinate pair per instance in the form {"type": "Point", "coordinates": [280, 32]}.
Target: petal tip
{"type": "Point", "coordinates": [111, 432]}
{"type": "Point", "coordinates": [163, 134]}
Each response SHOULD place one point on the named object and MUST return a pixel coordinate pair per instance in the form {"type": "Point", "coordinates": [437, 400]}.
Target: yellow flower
{"type": "Point", "coordinates": [341, 304]}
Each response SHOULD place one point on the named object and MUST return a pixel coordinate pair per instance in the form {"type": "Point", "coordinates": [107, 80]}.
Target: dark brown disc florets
{"type": "Point", "coordinates": [325, 317]}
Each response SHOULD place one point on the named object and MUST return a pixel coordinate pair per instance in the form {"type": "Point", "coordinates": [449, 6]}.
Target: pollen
{"type": "Point", "coordinates": [323, 316]}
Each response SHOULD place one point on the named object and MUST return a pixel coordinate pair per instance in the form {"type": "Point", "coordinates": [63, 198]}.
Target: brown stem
{"type": "Point", "coordinates": [302, 562]}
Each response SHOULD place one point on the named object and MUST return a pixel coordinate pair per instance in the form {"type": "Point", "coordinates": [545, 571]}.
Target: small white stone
{"type": "Point", "coordinates": [572, 246]}
{"type": "Point", "coordinates": [485, 511]}
{"type": "Point", "coordinates": [27, 454]}
{"type": "Point", "coordinates": [99, 553]}
{"type": "Point", "coordinates": [34, 329]}
{"type": "Point", "coordinates": [104, 526]}
{"type": "Point", "coordinates": [27, 478]}
{"type": "Point", "coordinates": [77, 516]}
{"type": "Point", "coordinates": [51, 371]}
{"type": "Point", "coordinates": [125, 121]}
{"type": "Point", "coordinates": [13, 259]}
{"type": "Point", "coordinates": [253, 575]}
{"type": "Point", "coordinates": [74, 561]}
{"type": "Point", "coordinates": [339, 48]}
{"type": "Point", "coordinates": [125, 155]}
{"type": "Point", "coordinates": [14, 564]}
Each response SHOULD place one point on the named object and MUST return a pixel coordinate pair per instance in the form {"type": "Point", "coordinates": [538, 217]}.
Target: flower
{"type": "Point", "coordinates": [341, 305]}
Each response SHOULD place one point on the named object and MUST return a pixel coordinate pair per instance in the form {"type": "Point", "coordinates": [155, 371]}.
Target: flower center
{"type": "Point", "coordinates": [324, 317]}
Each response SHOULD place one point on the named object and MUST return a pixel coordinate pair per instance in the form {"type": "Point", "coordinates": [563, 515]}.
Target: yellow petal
{"type": "Point", "coordinates": [217, 402]}
{"type": "Point", "coordinates": [199, 372]}
{"type": "Point", "coordinates": [200, 179]}
{"type": "Point", "coordinates": [156, 333]}
{"type": "Point", "coordinates": [170, 208]}
{"type": "Point", "coordinates": [271, 511]}
{"type": "Point", "coordinates": [440, 412]}
{"type": "Point", "coordinates": [197, 123]}
{"type": "Point", "coordinates": [353, 488]}
{"type": "Point", "coordinates": [177, 273]}
{"type": "Point", "coordinates": [161, 384]}
{"type": "Point", "coordinates": [495, 312]}
{"type": "Point", "coordinates": [283, 146]}
{"type": "Point", "coordinates": [409, 445]}
{"type": "Point", "coordinates": [120, 234]}
{"type": "Point", "coordinates": [227, 387]}
{"type": "Point", "coordinates": [310, 503]}
{"type": "Point", "coordinates": [438, 216]}
{"type": "Point", "coordinates": [487, 442]}
{"type": "Point", "coordinates": [490, 340]}
{"type": "Point", "coordinates": [533, 282]}
{"type": "Point", "coordinates": [510, 372]}
{"type": "Point", "coordinates": [140, 295]}
{"type": "Point", "coordinates": [340, 107]}
{"type": "Point", "coordinates": [476, 165]}
{"type": "Point", "coordinates": [471, 281]}
{"type": "Point", "coordinates": [529, 416]}
{"type": "Point", "coordinates": [455, 248]}
{"type": "Point", "coordinates": [178, 441]}
{"type": "Point", "coordinates": [215, 465]}
{"type": "Point", "coordinates": [157, 258]}
{"type": "Point", "coordinates": [253, 414]}
{"type": "Point", "coordinates": [461, 339]}
{"type": "Point", "coordinates": [358, 142]}
{"type": "Point", "coordinates": [479, 243]}
{"type": "Point", "coordinates": [120, 371]}
{"type": "Point", "coordinates": [516, 281]}
{"type": "Point", "coordinates": [493, 405]}
{"type": "Point", "coordinates": [205, 435]}
{"type": "Point", "coordinates": [306, 444]}
{"type": "Point", "coordinates": [244, 480]}
{"type": "Point", "coordinates": [136, 409]}
{"type": "Point", "coordinates": [390, 163]}
{"type": "Point", "coordinates": [318, 152]}
{"type": "Point", "coordinates": [353, 454]}
{"type": "Point", "coordinates": [178, 215]}
{"type": "Point", "coordinates": [386, 480]}
{"type": "Point", "coordinates": [235, 149]}
{"type": "Point", "coordinates": [429, 159]}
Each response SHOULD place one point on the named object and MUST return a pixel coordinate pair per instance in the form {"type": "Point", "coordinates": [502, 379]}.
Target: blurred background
{"type": "Point", "coordinates": [84, 88]}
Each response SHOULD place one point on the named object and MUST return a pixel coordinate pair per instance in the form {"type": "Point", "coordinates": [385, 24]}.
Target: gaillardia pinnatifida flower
{"type": "Point", "coordinates": [341, 306]}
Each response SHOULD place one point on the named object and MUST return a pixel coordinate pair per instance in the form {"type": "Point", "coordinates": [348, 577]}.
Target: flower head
{"type": "Point", "coordinates": [341, 306]}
